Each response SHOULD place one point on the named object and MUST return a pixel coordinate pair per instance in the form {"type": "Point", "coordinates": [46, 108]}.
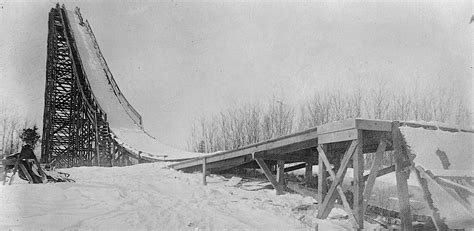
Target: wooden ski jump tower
{"type": "Point", "coordinates": [76, 132]}
{"type": "Point", "coordinates": [75, 127]}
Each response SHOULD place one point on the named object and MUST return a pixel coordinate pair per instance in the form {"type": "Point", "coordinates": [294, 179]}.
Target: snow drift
{"type": "Point", "coordinates": [154, 197]}
{"type": "Point", "coordinates": [442, 151]}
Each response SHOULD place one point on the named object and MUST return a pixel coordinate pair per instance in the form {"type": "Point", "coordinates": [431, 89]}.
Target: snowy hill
{"type": "Point", "coordinates": [150, 197]}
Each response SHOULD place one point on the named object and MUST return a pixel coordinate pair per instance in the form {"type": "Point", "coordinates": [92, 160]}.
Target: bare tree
{"type": "Point", "coordinates": [251, 123]}
{"type": "Point", "coordinates": [377, 104]}
{"type": "Point", "coordinates": [463, 115]}
{"type": "Point", "coordinates": [9, 122]}
{"type": "Point", "coordinates": [400, 107]}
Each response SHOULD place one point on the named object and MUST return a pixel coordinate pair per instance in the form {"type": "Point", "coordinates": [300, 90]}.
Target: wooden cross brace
{"type": "Point", "coordinates": [277, 184]}
{"type": "Point", "coordinates": [330, 197]}
{"type": "Point", "coordinates": [373, 173]}
{"type": "Point", "coordinates": [328, 202]}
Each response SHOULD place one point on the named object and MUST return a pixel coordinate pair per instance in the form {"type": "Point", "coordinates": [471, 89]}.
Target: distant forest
{"type": "Point", "coordinates": [253, 122]}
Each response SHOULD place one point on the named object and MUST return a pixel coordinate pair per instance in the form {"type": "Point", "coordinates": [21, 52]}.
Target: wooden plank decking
{"type": "Point", "coordinates": [311, 138]}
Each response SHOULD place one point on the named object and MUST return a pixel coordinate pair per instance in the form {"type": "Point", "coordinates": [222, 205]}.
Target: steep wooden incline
{"type": "Point", "coordinates": [87, 119]}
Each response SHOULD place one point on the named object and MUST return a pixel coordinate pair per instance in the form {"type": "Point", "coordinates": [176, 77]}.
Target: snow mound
{"type": "Point", "coordinates": [151, 197]}
{"type": "Point", "coordinates": [440, 150]}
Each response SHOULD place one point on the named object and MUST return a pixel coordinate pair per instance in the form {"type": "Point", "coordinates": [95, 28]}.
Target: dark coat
{"type": "Point", "coordinates": [27, 152]}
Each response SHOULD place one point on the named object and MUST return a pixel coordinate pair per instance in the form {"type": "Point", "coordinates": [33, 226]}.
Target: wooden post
{"type": "Point", "coordinates": [374, 172]}
{"type": "Point", "coordinates": [328, 203]}
{"type": "Point", "coordinates": [402, 174]}
{"type": "Point", "coordinates": [204, 171]}
{"type": "Point", "coordinates": [322, 183]}
{"type": "Point", "coordinates": [358, 187]}
{"type": "Point", "coordinates": [281, 172]}
{"type": "Point", "coordinates": [112, 152]}
{"type": "Point", "coordinates": [270, 177]}
{"type": "Point", "coordinates": [308, 175]}
{"type": "Point", "coordinates": [97, 162]}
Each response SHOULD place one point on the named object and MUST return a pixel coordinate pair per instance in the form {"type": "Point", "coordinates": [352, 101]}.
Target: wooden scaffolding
{"type": "Point", "coordinates": [334, 147]}
{"type": "Point", "coordinates": [75, 127]}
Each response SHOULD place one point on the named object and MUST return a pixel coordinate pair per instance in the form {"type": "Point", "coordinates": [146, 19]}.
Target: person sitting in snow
{"type": "Point", "coordinates": [27, 157]}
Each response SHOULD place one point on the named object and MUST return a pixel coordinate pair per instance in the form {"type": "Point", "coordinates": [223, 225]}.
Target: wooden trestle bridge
{"type": "Point", "coordinates": [77, 132]}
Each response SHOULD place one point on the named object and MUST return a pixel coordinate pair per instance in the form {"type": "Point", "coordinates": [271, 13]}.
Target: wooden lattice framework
{"type": "Point", "coordinates": [75, 128]}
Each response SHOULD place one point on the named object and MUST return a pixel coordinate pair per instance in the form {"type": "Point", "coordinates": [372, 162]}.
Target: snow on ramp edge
{"type": "Point", "coordinates": [125, 128]}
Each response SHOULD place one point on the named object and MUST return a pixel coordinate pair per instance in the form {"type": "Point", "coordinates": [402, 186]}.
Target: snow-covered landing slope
{"type": "Point", "coordinates": [152, 197]}
{"type": "Point", "coordinates": [124, 121]}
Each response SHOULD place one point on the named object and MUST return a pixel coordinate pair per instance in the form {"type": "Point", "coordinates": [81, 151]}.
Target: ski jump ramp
{"type": "Point", "coordinates": [441, 156]}
{"type": "Point", "coordinates": [124, 121]}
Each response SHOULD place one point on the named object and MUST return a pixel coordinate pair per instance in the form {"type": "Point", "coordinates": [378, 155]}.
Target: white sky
{"type": "Point", "coordinates": [176, 61]}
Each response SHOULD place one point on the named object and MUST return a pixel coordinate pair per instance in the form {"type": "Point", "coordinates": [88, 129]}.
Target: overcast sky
{"type": "Point", "coordinates": [176, 61]}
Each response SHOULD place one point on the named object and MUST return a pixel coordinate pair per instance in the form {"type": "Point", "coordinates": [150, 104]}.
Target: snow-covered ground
{"type": "Point", "coordinates": [150, 197]}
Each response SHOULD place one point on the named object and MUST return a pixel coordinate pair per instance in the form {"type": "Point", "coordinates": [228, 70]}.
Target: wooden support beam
{"type": "Point", "coordinates": [229, 163]}
{"type": "Point", "coordinates": [337, 136]}
{"type": "Point", "coordinates": [382, 172]}
{"type": "Point", "coordinates": [267, 145]}
{"type": "Point", "coordinates": [308, 174]}
{"type": "Point", "coordinates": [299, 156]}
{"type": "Point", "coordinates": [373, 173]}
{"type": "Point", "coordinates": [296, 167]}
{"type": "Point", "coordinates": [435, 217]}
{"type": "Point", "coordinates": [96, 133]}
{"type": "Point", "coordinates": [461, 189]}
{"type": "Point", "coordinates": [269, 175]}
{"type": "Point", "coordinates": [113, 150]}
{"type": "Point", "coordinates": [328, 202]}
{"type": "Point", "coordinates": [204, 171]}
{"type": "Point", "coordinates": [453, 174]}
{"type": "Point", "coordinates": [322, 183]}
{"type": "Point", "coordinates": [305, 191]}
{"type": "Point", "coordinates": [295, 147]}
{"type": "Point", "coordinates": [281, 172]}
{"type": "Point", "coordinates": [358, 187]}
{"type": "Point", "coordinates": [459, 192]}
{"type": "Point", "coordinates": [402, 174]}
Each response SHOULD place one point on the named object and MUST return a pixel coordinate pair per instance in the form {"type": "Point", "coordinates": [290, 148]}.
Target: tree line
{"type": "Point", "coordinates": [253, 122]}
